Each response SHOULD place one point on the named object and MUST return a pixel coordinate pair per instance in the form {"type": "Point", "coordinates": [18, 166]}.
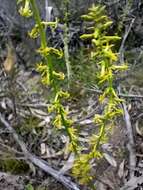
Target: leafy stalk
{"type": "Point", "coordinates": [103, 55]}
{"type": "Point", "coordinates": [45, 67]}
{"type": "Point", "coordinates": [39, 23]}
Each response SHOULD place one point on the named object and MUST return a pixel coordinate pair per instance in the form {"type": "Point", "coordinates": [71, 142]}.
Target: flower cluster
{"type": "Point", "coordinates": [61, 121]}
{"type": "Point", "coordinates": [25, 10]}
{"type": "Point", "coordinates": [48, 75]}
{"type": "Point", "coordinates": [105, 58]}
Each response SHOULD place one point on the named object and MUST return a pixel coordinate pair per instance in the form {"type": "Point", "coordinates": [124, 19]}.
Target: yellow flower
{"type": "Point", "coordinates": [25, 11]}
{"type": "Point", "coordinates": [49, 50]}
{"type": "Point", "coordinates": [86, 36]}
{"type": "Point", "coordinates": [109, 54]}
{"type": "Point", "coordinates": [34, 33]}
{"type": "Point", "coordinates": [64, 94]}
{"type": "Point", "coordinates": [59, 75]}
{"type": "Point", "coordinates": [58, 121]}
{"type": "Point", "coordinates": [120, 67]}
{"type": "Point", "coordinates": [52, 24]}
{"type": "Point", "coordinates": [98, 118]}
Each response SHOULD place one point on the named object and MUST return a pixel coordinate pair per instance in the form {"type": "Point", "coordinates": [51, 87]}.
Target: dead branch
{"type": "Point", "coordinates": [131, 144]}
{"type": "Point", "coordinates": [132, 183]}
{"type": "Point", "coordinates": [134, 96]}
{"type": "Point", "coordinates": [127, 31]}
{"type": "Point", "coordinates": [37, 161]}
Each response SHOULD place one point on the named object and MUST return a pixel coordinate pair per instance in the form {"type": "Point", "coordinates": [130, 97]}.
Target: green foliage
{"type": "Point", "coordinates": [28, 125]}
{"type": "Point", "coordinates": [66, 40]}
{"type": "Point", "coordinates": [84, 69]}
{"type": "Point", "coordinates": [14, 166]}
{"type": "Point", "coordinates": [29, 187]}
{"type": "Point", "coordinates": [124, 16]}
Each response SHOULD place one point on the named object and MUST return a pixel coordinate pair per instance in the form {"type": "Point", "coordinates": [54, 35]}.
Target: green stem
{"type": "Point", "coordinates": [67, 130]}
{"type": "Point", "coordinates": [43, 39]}
{"type": "Point", "coordinates": [39, 23]}
{"type": "Point", "coordinates": [66, 40]}
{"type": "Point", "coordinates": [102, 131]}
{"type": "Point", "coordinates": [66, 52]}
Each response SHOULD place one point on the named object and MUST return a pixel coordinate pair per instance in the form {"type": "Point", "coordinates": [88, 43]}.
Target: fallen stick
{"type": "Point", "coordinates": [133, 183]}
{"type": "Point", "coordinates": [131, 144]}
{"type": "Point", "coordinates": [37, 161]}
{"type": "Point", "coordinates": [119, 94]}
{"type": "Point", "coordinates": [121, 50]}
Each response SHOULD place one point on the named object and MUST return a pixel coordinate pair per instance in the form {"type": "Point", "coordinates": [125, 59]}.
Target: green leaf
{"type": "Point", "coordinates": [29, 187]}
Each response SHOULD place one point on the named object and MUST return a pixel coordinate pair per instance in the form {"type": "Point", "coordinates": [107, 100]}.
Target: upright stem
{"type": "Point", "coordinates": [66, 40]}
{"type": "Point", "coordinates": [42, 37]}
{"type": "Point", "coordinates": [38, 21]}
{"type": "Point", "coordinates": [66, 52]}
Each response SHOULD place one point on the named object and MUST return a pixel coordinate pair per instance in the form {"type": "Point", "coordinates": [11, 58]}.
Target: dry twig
{"type": "Point", "coordinates": [37, 161]}
{"type": "Point", "coordinates": [121, 50]}
{"type": "Point", "coordinates": [131, 144]}
{"type": "Point", "coordinates": [133, 183]}
{"type": "Point", "coordinates": [134, 96]}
